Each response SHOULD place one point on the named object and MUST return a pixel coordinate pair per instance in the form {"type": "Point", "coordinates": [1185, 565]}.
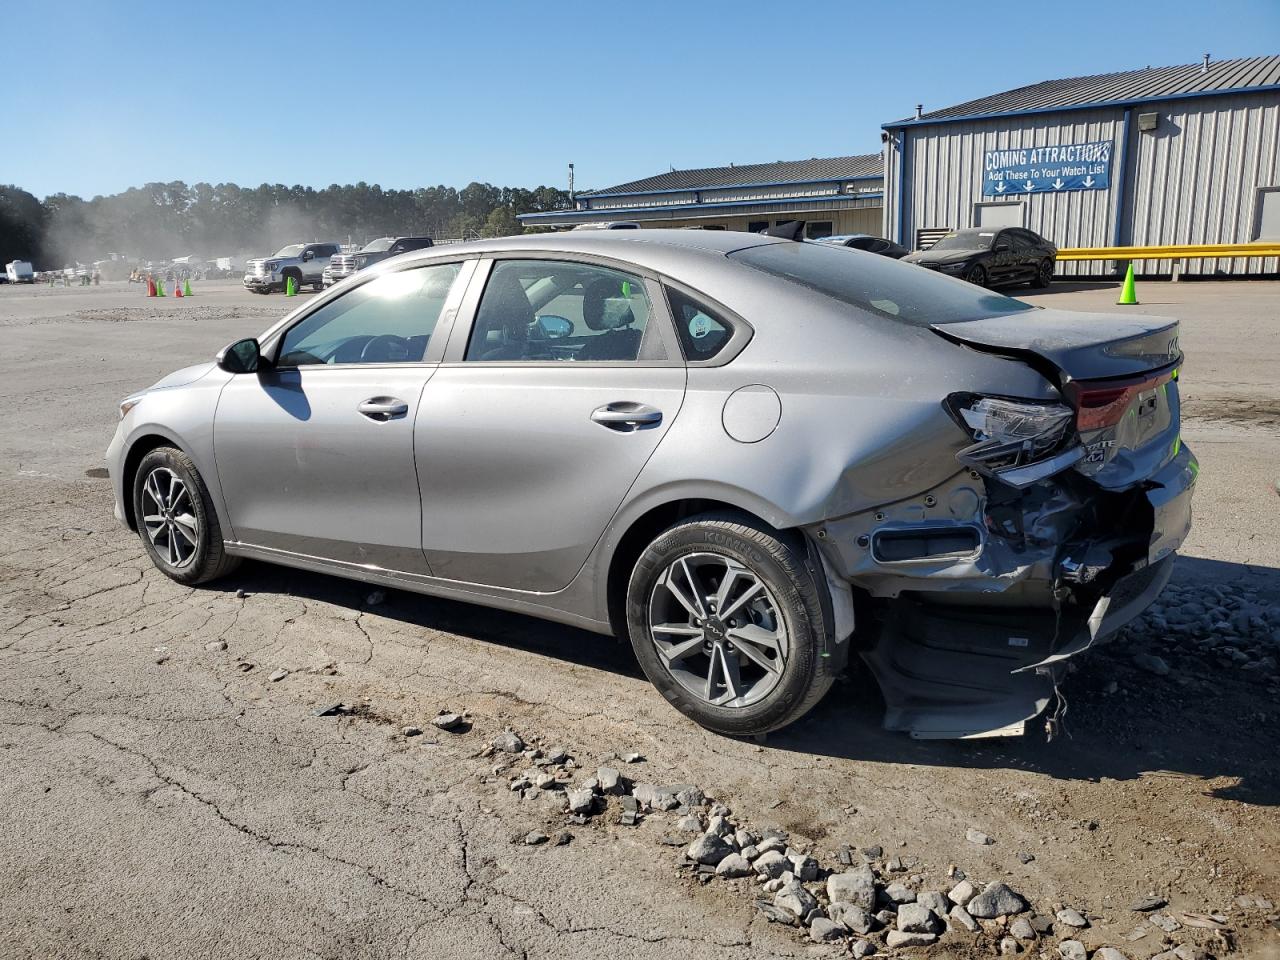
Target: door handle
{"type": "Point", "coordinates": [383, 408]}
{"type": "Point", "coordinates": [626, 416]}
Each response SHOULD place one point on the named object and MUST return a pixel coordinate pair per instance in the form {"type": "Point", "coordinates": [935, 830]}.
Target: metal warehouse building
{"type": "Point", "coordinates": [1166, 155]}
{"type": "Point", "coordinates": [832, 195]}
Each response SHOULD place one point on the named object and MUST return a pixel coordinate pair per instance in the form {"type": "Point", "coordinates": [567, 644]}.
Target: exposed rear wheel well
{"type": "Point", "coordinates": [141, 447]}
{"type": "Point", "coordinates": [641, 534]}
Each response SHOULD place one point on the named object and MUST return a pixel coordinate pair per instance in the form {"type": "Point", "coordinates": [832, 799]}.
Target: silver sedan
{"type": "Point", "coordinates": [752, 457]}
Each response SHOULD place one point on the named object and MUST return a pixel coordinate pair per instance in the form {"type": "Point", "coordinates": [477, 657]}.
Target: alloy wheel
{"type": "Point", "coordinates": [169, 517]}
{"type": "Point", "coordinates": [717, 630]}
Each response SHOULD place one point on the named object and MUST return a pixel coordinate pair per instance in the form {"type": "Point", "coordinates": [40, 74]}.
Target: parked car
{"type": "Point", "coordinates": [19, 271]}
{"type": "Point", "coordinates": [864, 241]}
{"type": "Point", "coordinates": [741, 453]}
{"type": "Point", "coordinates": [991, 258]}
{"type": "Point", "coordinates": [342, 265]}
{"type": "Point", "coordinates": [304, 262]}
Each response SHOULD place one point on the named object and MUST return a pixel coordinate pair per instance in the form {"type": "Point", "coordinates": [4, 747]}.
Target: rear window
{"type": "Point", "coordinates": [879, 285]}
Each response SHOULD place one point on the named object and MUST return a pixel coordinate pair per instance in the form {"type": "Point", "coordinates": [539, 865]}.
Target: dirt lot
{"type": "Point", "coordinates": [161, 796]}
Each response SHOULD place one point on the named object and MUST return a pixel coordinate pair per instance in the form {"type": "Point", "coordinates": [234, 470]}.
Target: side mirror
{"type": "Point", "coordinates": [551, 327]}
{"type": "Point", "coordinates": [308, 255]}
{"type": "Point", "coordinates": [243, 356]}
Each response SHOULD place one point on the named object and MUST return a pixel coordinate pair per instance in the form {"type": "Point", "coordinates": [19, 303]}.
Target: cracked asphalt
{"type": "Point", "coordinates": [161, 799]}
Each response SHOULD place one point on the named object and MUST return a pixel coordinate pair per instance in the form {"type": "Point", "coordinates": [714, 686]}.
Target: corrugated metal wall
{"type": "Point", "coordinates": [1194, 179]}
{"type": "Point", "coordinates": [944, 179]}
{"type": "Point", "coordinates": [734, 194]}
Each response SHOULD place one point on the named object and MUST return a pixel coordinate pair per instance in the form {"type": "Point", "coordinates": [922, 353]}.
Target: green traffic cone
{"type": "Point", "coordinates": [1128, 295]}
{"type": "Point", "coordinates": [186, 288]}
{"type": "Point", "coordinates": [290, 288]}
{"type": "Point", "coordinates": [159, 288]}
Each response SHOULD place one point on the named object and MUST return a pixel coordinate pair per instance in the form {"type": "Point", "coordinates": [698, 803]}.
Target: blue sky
{"type": "Point", "coordinates": [105, 96]}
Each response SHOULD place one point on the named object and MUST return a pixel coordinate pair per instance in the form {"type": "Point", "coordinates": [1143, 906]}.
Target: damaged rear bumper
{"type": "Point", "coordinates": [981, 593]}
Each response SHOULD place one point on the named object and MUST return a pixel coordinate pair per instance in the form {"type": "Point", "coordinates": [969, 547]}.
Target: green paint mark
{"type": "Point", "coordinates": [1177, 445]}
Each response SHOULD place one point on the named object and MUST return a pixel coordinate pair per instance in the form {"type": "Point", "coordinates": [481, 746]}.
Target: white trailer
{"type": "Point", "coordinates": [19, 271]}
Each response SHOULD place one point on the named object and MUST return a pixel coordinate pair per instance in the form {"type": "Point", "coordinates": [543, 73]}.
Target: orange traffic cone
{"type": "Point", "coordinates": [151, 286]}
{"type": "Point", "coordinates": [177, 288]}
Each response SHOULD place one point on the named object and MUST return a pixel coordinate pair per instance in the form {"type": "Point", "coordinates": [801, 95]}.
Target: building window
{"type": "Point", "coordinates": [817, 229]}
{"type": "Point", "coordinates": [1268, 222]}
{"type": "Point", "coordinates": [755, 226]}
{"type": "Point", "coordinates": [999, 214]}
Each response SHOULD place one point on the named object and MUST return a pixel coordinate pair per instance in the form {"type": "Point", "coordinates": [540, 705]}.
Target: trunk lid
{"type": "Point", "coordinates": [1119, 373]}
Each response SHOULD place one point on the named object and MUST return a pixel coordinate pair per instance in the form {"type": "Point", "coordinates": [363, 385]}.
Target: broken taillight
{"type": "Point", "coordinates": [1008, 433]}
{"type": "Point", "coordinates": [1103, 403]}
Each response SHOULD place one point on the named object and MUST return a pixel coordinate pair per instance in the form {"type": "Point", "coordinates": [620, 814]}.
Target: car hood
{"type": "Point", "coordinates": [180, 378]}
{"type": "Point", "coordinates": [942, 256]}
{"type": "Point", "coordinates": [1084, 346]}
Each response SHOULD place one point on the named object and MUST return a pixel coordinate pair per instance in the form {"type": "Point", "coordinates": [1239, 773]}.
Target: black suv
{"type": "Point", "coordinates": [991, 257]}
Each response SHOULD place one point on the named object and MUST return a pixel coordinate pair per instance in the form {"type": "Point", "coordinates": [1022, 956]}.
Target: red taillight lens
{"type": "Point", "coordinates": [1102, 403]}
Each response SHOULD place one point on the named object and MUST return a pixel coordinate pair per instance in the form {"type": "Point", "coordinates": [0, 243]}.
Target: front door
{"type": "Point", "coordinates": [315, 453]}
{"type": "Point", "coordinates": [527, 444]}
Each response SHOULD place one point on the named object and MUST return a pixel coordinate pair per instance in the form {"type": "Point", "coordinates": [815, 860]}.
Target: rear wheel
{"type": "Point", "coordinates": [726, 619]}
{"type": "Point", "coordinates": [977, 275]}
{"type": "Point", "coordinates": [176, 520]}
{"type": "Point", "coordinates": [1044, 274]}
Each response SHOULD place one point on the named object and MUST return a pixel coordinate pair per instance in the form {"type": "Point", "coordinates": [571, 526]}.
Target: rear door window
{"type": "Point", "coordinates": [880, 285]}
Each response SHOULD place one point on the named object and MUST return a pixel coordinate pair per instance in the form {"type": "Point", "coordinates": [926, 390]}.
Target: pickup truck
{"type": "Point", "coordinates": [343, 265]}
{"type": "Point", "coordinates": [305, 262]}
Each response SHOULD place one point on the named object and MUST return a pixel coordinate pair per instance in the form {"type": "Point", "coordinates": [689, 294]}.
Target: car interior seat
{"type": "Point", "coordinates": [504, 308]}
{"type": "Point", "coordinates": [620, 340]}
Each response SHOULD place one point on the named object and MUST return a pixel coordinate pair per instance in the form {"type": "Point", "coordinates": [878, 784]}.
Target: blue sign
{"type": "Point", "coordinates": [1051, 169]}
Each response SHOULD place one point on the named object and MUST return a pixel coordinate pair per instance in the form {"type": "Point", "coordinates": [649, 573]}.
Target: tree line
{"type": "Point", "coordinates": [166, 220]}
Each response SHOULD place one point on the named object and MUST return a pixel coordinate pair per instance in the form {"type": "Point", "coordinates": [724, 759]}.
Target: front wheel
{"type": "Point", "coordinates": [176, 519]}
{"type": "Point", "coordinates": [1044, 274]}
{"type": "Point", "coordinates": [977, 275]}
{"type": "Point", "coordinates": [726, 618]}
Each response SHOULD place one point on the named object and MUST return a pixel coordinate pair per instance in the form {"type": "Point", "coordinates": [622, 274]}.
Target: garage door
{"type": "Point", "coordinates": [998, 214]}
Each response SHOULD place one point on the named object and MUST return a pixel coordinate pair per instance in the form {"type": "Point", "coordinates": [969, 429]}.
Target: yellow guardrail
{"type": "Point", "coordinates": [1175, 252]}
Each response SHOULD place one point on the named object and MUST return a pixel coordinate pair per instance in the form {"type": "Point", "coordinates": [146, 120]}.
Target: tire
{"type": "Point", "coordinates": [186, 545]}
{"type": "Point", "coordinates": [317, 287]}
{"type": "Point", "coordinates": [777, 598]}
{"type": "Point", "coordinates": [1044, 274]}
{"type": "Point", "coordinates": [977, 275]}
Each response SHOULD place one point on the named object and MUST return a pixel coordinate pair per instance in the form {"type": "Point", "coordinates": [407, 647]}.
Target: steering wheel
{"type": "Point", "coordinates": [386, 348]}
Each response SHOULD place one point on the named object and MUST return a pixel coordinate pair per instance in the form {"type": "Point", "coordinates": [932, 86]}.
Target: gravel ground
{"type": "Point", "coordinates": [178, 779]}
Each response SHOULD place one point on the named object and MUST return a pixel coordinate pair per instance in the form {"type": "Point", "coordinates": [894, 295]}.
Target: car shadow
{"type": "Point", "coordinates": [1066, 286]}
{"type": "Point", "coordinates": [1143, 726]}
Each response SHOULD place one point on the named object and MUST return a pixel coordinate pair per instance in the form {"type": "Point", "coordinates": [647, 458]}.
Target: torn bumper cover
{"type": "Point", "coordinates": [981, 591]}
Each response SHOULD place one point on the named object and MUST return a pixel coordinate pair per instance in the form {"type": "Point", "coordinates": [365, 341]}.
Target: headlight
{"type": "Point", "coordinates": [1008, 433]}
{"type": "Point", "coordinates": [951, 267]}
{"type": "Point", "coordinates": [128, 403]}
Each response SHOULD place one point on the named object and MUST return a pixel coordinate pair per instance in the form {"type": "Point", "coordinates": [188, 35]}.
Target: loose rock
{"type": "Point", "coordinates": [1152, 664]}
{"type": "Point", "coordinates": [275, 676]}
{"type": "Point", "coordinates": [1147, 904]}
{"type": "Point", "coordinates": [535, 837]}
{"type": "Point", "coordinates": [1108, 953]}
{"type": "Point", "coordinates": [978, 837]}
{"type": "Point", "coordinates": [862, 948]}
{"type": "Point", "coordinates": [1009, 947]}
{"type": "Point", "coordinates": [580, 800]}
{"type": "Point", "coordinates": [852, 916]}
{"type": "Point", "coordinates": [1165, 922]}
{"type": "Point", "coordinates": [900, 938]}
{"type": "Point", "coordinates": [1072, 918]}
{"type": "Point", "coordinates": [411, 731]}
{"type": "Point", "coordinates": [609, 779]}
{"type": "Point", "coordinates": [960, 917]}
{"type": "Point", "coordinates": [214, 646]}
{"type": "Point", "coordinates": [508, 742]}
{"type": "Point", "coordinates": [857, 887]}
{"type": "Point", "coordinates": [795, 899]}
{"type": "Point", "coordinates": [776, 914]}
{"type": "Point", "coordinates": [935, 901]}
{"type": "Point", "coordinates": [734, 865]}
{"type": "Point", "coordinates": [709, 849]}
{"type": "Point", "coordinates": [824, 931]}
{"type": "Point", "coordinates": [447, 721]}
{"type": "Point", "coordinates": [1022, 929]}
{"type": "Point", "coordinates": [997, 900]}
{"type": "Point", "coordinates": [1073, 950]}
{"type": "Point", "coordinates": [917, 918]}
{"type": "Point", "coordinates": [962, 892]}
{"type": "Point", "coordinates": [375, 598]}
{"type": "Point", "coordinates": [899, 893]}
{"type": "Point", "coordinates": [772, 865]}
{"type": "Point", "coordinates": [690, 824]}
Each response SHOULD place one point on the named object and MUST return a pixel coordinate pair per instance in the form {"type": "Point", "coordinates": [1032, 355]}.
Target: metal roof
{"type": "Point", "coordinates": [814, 170]}
{"type": "Point", "coordinates": [1129, 86]}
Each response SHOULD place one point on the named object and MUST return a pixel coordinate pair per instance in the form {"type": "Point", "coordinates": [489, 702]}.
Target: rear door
{"type": "Point", "coordinates": [541, 418]}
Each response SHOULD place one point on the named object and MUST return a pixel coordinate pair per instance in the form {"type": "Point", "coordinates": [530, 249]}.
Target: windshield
{"type": "Point", "coordinates": [966, 240]}
{"type": "Point", "coordinates": [880, 285]}
{"type": "Point", "coordinates": [292, 250]}
{"type": "Point", "coordinates": [379, 245]}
